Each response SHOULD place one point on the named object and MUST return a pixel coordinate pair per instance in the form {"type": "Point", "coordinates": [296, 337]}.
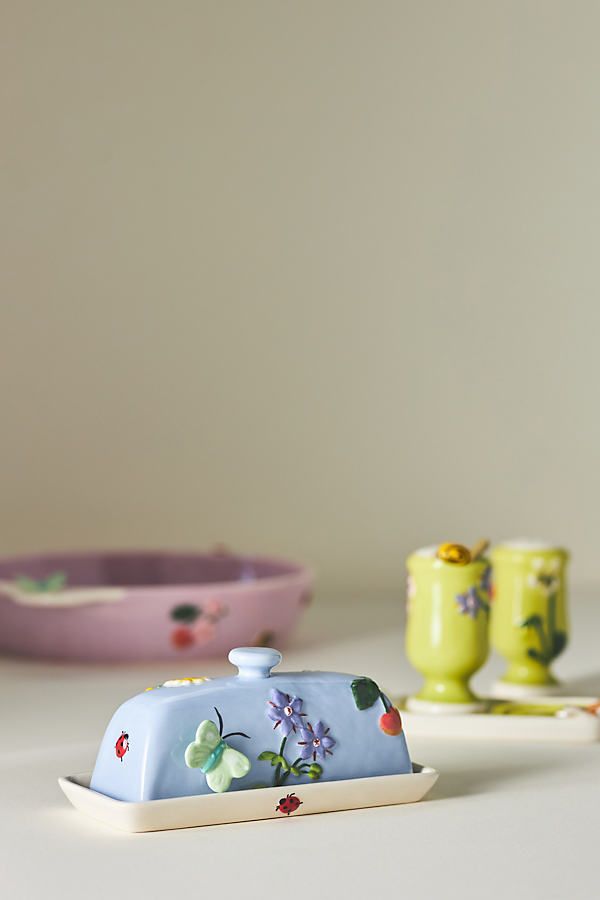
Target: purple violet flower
{"type": "Point", "coordinates": [469, 603]}
{"type": "Point", "coordinates": [316, 742]}
{"type": "Point", "coordinates": [285, 712]}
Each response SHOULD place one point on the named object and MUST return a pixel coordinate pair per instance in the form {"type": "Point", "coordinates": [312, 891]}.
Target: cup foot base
{"type": "Point", "coordinates": [510, 690]}
{"type": "Point", "coordinates": [430, 707]}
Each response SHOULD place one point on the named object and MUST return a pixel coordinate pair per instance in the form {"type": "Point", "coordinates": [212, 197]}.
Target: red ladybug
{"type": "Point", "coordinates": [122, 746]}
{"type": "Point", "coordinates": [288, 804]}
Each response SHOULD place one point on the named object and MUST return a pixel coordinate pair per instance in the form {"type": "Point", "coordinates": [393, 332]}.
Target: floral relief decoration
{"type": "Point", "coordinates": [195, 624]}
{"type": "Point", "coordinates": [313, 742]}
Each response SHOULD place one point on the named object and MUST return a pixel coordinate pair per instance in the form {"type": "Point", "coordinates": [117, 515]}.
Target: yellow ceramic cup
{"type": "Point", "coordinates": [447, 628]}
{"type": "Point", "coordinates": [529, 626]}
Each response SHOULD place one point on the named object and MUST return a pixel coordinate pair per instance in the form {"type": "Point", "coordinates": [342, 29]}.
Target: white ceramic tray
{"type": "Point", "coordinates": [247, 806]}
{"type": "Point", "coordinates": [569, 724]}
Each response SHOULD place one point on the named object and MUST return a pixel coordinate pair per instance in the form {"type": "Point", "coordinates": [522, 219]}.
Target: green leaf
{"type": "Point", "coordinates": [266, 754]}
{"type": "Point", "coordinates": [278, 760]}
{"type": "Point", "coordinates": [365, 692]}
{"type": "Point", "coordinates": [533, 621]}
{"type": "Point", "coordinates": [535, 654]}
{"type": "Point", "coordinates": [295, 770]}
{"type": "Point", "coordinates": [186, 612]}
{"type": "Point", "coordinates": [26, 584]}
{"type": "Point", "coordinates": [55, 581]}
{"type": "Point", "coordinates": [559, 642]}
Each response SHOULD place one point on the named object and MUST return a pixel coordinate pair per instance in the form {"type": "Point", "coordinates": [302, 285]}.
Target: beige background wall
{"type": "Point", "coordinates": [316, 278]}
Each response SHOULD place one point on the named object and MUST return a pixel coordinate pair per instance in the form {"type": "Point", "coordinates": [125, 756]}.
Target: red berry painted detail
{"type": "Point", "coordinates": [390, 722]}
{"type": "Point", "coordinates": [288, 804]}
{"type": "Point", "coordinates": [182, 637]}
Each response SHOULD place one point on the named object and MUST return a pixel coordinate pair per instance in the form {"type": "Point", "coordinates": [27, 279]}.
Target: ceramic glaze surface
{"type": "Point", "coordinates": [529, 624]}
{"type": "Point", "coordinates": [147, 605]}
{"type": "Point", "coordinates": [301, 727]}
{"type": "Point", "coordinates": [447, 624]}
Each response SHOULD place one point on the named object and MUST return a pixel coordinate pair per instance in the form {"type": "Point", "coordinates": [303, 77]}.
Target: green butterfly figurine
{"type": "Point", "coordinates": [216, 759]}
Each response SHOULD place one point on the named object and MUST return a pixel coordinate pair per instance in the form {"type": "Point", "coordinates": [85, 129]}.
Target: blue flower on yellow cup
{"type": "Point", "coordinates": [470, 603]}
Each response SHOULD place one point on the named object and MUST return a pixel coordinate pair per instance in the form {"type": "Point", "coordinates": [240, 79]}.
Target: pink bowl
{"type": "Point", "coordinates": [147, 605]}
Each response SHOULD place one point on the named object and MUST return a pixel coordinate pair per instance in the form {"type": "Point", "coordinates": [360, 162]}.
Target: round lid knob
{"type": "Point", "coordinates": [254, 662]}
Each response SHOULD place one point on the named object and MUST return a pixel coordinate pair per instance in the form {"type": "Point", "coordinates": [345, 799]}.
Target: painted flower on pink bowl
{"type": "Point", "coordinates": [214, 609]}
{"type": "Point", "coordinates": [200, 623]}
{"type": "Point", "coordinates": [204, 631]}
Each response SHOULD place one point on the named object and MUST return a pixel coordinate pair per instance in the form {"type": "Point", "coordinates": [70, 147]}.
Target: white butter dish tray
{"type": "Point", "coordinates": [250, 805]}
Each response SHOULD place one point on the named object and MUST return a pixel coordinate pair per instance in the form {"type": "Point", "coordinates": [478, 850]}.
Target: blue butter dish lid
{"type": "Point", "coordinates": [258, 728]}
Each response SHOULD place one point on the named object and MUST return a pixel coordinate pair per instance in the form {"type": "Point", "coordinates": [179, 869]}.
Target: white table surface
{"type": "Point", "coordinates": [509, 820]}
